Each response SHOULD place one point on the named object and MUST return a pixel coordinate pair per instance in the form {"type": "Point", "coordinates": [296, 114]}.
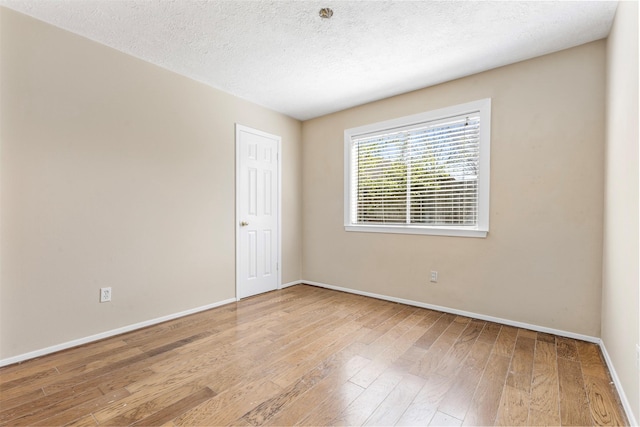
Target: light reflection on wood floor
{"type": "Point", "coordinates": [311, 356]}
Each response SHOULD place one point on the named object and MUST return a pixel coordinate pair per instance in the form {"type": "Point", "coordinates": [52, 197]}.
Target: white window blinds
{"type": "Point", "coordinates": [425, 174]}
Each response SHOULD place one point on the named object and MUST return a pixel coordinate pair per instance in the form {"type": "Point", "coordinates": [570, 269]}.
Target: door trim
{"type": "Point", "coordinates": [238, 129]}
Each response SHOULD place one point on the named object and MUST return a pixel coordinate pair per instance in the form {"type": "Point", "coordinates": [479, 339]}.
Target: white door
{"type": "Point", "coordinates": [257, 211]}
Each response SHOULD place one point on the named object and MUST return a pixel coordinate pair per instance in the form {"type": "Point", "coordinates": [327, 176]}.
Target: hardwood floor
{"type": "Point", "coordinates": [311, 356]}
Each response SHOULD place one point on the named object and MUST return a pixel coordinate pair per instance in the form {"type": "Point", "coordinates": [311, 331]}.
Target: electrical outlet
{"type": "Point", "coordinates": [434, 277]}
{"type": "Point", "coordinates": [105, 294]}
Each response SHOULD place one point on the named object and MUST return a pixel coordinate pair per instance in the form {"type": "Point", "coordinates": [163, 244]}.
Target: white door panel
{"type": "Point", "coordinates": [257, 209]}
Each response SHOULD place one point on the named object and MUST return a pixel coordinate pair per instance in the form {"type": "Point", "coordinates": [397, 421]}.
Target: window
{"type": "Point", "coordinates": [422, 174]}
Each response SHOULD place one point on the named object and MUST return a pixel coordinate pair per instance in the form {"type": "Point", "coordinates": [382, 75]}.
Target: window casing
{"type": "Point", "coordinates": [422, 174]}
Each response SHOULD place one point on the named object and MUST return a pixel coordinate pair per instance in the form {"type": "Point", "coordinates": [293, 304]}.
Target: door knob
{"type": "Point", "coordinates": [244, 223]}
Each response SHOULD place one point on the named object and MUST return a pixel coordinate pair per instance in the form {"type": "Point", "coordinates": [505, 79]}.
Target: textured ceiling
{"type": "Point", "coordinates": [282, 55]}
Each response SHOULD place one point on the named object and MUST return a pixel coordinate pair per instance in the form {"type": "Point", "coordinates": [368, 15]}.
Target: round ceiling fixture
{"type": "Point", "coordinates": [325, 13]}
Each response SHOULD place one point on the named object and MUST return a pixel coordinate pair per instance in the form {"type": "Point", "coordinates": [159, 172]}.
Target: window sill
{"type": "Point", "coordinates": [433, 231]}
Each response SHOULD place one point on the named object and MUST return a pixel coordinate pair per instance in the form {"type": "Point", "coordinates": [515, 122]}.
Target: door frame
{"type": "Point", "coordinates": [238, 129]}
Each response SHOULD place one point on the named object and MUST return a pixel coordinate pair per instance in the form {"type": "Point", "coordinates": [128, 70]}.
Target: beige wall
{"type": "Point", "coordinates": [620, 303]}
{"type": "Point", "coordinates": [115, 172]}
{"type": "Point", "coordinates": [541, 262]}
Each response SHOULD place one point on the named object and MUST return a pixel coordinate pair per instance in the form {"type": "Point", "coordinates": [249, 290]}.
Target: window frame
{"type": "Point", "coordinates": [483, 107]}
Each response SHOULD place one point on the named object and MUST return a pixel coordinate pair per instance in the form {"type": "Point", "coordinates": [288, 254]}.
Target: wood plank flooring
{"type": "Point", "coordinates": [311, 356]}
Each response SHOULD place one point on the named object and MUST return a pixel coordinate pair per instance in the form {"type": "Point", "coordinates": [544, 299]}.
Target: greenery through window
{"type": "Point", "coordinates": [423, 174]}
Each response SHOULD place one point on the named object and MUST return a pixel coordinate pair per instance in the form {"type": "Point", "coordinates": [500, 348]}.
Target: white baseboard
{"type": "Point", "coordinates": [508, 322]}
{"type": "Point", "coordinates": [111, 333]}
{"type": "Point", "coordinates": [623, 397]}
{"type": "Point", "coordinates": [295, 282]}
{"type": "Point", "coordinates": [129, 328]}
{"type": "Point", "coordinates": [616, 380]}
